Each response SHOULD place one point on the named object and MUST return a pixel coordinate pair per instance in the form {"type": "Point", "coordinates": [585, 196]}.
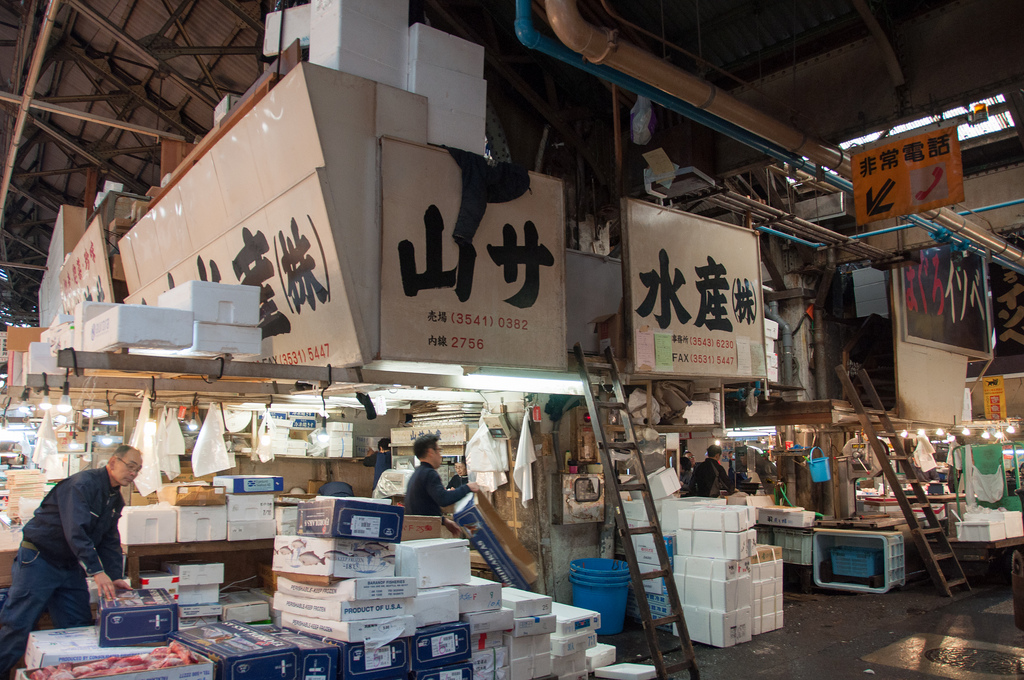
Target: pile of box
{"type": "Point", "coordinates": [984, 524]}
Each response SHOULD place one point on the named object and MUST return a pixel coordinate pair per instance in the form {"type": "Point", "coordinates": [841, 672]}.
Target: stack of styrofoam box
{"type": "Point", "coordinates": [718, 531]}
{"type": "Point", "coordinates": [766, 598]}
{"type": "Point", "coordinates": [573, 626]}
{"type": "Point", "coordinates": [367, 38]}
{"type": "Point", "coordinates": [198, 591]}
{"type": "Point", "coordinates": [490, 654]}
{"type": "Point", "coordinates": [771, 334]}
{"type": "Point", "coordinates": [143, 524]}
{"type": "Point", "coordinates": [61, 333]}
{"type": "Point", "coordinates": [250, 516]}
{"type": "Point", "coordinates": [138, 326]}
{"type": "Point", "coordinates": [201, 523]}
{"type": "Point", "coordinates": [989, 525]}
{"type": "Point", "coordinates": [663, 482]}
{"type": "Point", "coordinates": [449, 71]}
{"type": "Point", "coordinates": [783, 516]}
{"type": "Point", "coordinates": [85, 312]}
{"type": "Point", "coordinates": [340, 444]}
{"type": "Point", "coordinates": [530, 642]}
{"type": "Point", "coordinates": [351, 600]}
{"type": "Point", "coordinates": [40, 359]}
{"type": "Point", "coordinates": [225, 317]}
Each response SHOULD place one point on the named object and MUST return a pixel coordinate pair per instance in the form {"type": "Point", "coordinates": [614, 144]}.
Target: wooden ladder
{"type": "Point", "coordinates": [931, 541]}
{"type": "Point", "coordinates": [611, 453]}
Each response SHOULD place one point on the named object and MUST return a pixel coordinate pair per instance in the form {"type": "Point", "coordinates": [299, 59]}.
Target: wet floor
{"type": "Point", "coordinates": [910, 634]}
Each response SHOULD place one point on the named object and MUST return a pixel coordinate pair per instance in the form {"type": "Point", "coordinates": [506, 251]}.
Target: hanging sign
{"type": "Point", "coordinates": [995, 398]}
{"type": "Point", "coordinates": [694, 286]}
{"type": "Point", "coordinates": [1008, 313]}
{"type": "Point", "coordinates": [909, 175]}
{"type": "Point", "coordinates": [85, 275]}
{"type": "Point", "coordinates": [497, 301]}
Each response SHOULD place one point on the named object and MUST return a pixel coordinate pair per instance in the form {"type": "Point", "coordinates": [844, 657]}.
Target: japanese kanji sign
{"type": "Point", "coordinates": [85, 274]}
{"type": "Point", "coordinates": [694, 287]}
{"type": "Point", "coordinates": [909, 175]}
{"type": "Point", "coordinates": [498, 301]}
{"type": "Point", "coordinates": [1008, 310]}
{"type": "Point", "coordinates": [944, 302]}
{"type": "Point", "coordinates": [995, 397]}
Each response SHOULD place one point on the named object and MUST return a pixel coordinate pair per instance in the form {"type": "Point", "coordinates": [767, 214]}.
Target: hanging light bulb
{"type": "Point", "coordinates": [1010, 429]}
{"type": "Point", "coordinates": [44, 403]}
{"type": "Point", "coordinates": [985, 435]}
{"type": "Point", "coordinates": [24, 407]}
{"type": "Point", "coordinates": [939, 432]}
{"type": "Point", "coordinates": [999, 434]}
{"type": "Point", "coordinates": [265, 436]}
{"type": "Point", "coordinates": [904, 434]}
{"type": "Point", "coordinates": [64, 405]}
{"type": "Point", "coordinates": [718, 442]}
{"type": "Point", "coordinates": [321, 434]}
{"type": "Point", "coordinates": [921, 432]}
{"type": "Point", "coordinates": [106, 440]}
{"type": "Point", "coordinates": [966, 431]}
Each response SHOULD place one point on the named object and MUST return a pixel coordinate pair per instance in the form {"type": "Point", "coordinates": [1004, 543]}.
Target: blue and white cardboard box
{"type": "Point", "coordinates": [71, 645]}
{"type": "Point", "coordinates": [386, 662]}
{"type": "Point", "coordinates": [350, 518]}
{"type": "Point", "coordinates": [511, 563]}
{"type": "Point", "coordinates": [461, 671]}
{"type": "Point", "coordinates": [441, 645]}
{"type": "Point", "coordinates": [243, 653]}
{"type": "Point", "coordinates": [137, 617]}
{"type": "Point", "coordinates": [250, 483]}
{"type": "Point", "coordinates": [318, 659]}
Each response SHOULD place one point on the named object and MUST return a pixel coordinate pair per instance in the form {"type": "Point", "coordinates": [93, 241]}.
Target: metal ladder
{"type": "Point", "coordinates": [931, 541]}
{"type": "Point", "coordinates": [611, 453]}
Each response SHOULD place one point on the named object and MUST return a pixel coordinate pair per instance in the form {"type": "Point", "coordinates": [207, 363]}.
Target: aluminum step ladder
{"type": "Point", "coordinates": [603, 375]}
{"type": "Point", "coordinates": [931, 540]}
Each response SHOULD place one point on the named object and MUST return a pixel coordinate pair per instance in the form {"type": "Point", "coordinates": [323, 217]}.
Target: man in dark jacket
{"type": "Point", "coordinates": [72, 535]}
{"type": "Point", "coordinates": [425, 494]}
{"type": "Point", "coordinates": [709, 478]}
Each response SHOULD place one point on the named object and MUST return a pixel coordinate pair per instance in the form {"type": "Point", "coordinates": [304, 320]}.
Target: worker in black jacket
{"type": "Point", "coordinates": [709, 478]}
{"type": "Point", "coordinates": [72, 535]}
{"type": "Point", "coordinates": [425, 494]}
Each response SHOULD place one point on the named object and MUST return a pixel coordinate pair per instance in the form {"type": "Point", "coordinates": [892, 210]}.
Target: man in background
{"type": "Point", "coordinates": [459, 478]}
{"type": "Point", "coordinates": [425, 495]}
{"type": "Point", "coordinates": [710, 479]}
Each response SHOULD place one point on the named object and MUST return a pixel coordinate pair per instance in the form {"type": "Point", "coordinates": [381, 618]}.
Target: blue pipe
{"type": "Point", "coordinates": [994, 206]}
{"type": "Point", "coordinates": [789, 237]}
{"type": "Point", "coordinates": [532, 39]}
{"type": "Point", "coordinates": [881, 231]}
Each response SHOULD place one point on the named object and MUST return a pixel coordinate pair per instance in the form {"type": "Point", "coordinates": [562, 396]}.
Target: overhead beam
{"type": "Point", "coordinates": [22, 265]}
{"type": "Point", "coordinates": [201, 50]}
{"type": "Point", "coordinates": [247, 18]}
{"type": "Point", "coordinates": [93, 118]}
{"type": "Point", "coordinates": [111, 97]}
{"type": "Point", "coordinates": [48, 173]}
{"type": "Point", "coordinates": [1016, 101]}
{"type": "Point", "coordinates": [892, 62]}
{"type": "Point", "coordinates": [66, 140]}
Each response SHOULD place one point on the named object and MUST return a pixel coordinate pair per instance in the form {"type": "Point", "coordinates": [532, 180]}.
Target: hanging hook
{"type": "Point", "coordinates": [74, 362]}
{"type": "Point", "coordinates": [219, 375]}
{"type": "Point", "coordinates": [152, 388]}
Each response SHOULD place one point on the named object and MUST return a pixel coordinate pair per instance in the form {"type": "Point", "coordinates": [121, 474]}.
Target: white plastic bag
{"type": "Point", "coordinates": [210, 454]}
{"type": "Point", "coordinates": [264, 451]}
{"type": "Point", "coordinates": [46, 441]}
{"type": "Point", "coordinates": [641, 121]}
{"type": "Point", "coordinates": [525, 456]}
{"type": "Point", "coordinates": [144, 439]}
{"type": "Point", "coordinates": [170, 444]}
{"type": "Point", "coordinates": [484, 458]}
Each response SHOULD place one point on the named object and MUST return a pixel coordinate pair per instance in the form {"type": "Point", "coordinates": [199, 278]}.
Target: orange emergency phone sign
{"type": "Point", "coordinates": [909, 175]}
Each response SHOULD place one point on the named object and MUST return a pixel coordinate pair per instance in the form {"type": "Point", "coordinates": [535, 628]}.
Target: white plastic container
{"type": "Point", "coordinates": [216, 338]}
{"type": "Point", "coordinates": [140, 326]}
{"type": "Point", "coordinates": [217, 303]}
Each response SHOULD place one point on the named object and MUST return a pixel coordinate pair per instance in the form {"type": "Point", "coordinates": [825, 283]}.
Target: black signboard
{"type": "Point", "coordinates": [1008, 310]}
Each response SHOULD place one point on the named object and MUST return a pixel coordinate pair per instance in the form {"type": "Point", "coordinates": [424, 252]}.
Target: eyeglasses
{"type": "Point", "coordinates": [134, 468]}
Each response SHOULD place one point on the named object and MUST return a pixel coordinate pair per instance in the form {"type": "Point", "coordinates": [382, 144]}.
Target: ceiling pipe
{"type": "Point", "coordinates": [616, 61]}
{"type": "Point", "coordinates": [34, 68]}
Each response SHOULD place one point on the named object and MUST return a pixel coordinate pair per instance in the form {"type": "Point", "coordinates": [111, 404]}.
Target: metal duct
{"type": "Point", "coordinates": [771, 311]}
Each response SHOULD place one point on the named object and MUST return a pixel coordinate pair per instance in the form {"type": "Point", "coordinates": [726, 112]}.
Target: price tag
{"type": "Point", "coordinates": [378, 658]}
{"type": "Point", "coordinates": [450, 675]}
{"type": "Point", "coordinates": [368, 527]}
{"type": "Point", "coordinates": [442, 645]}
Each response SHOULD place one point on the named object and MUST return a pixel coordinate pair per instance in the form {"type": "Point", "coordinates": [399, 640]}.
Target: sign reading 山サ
{"type": "Point", "coordinates": [85, 275]}
{"type": "Point", "coordinates": [909, 175]}
{"type": "Point", "coordinates": [498, 301]}
{"type": "Point", "coordinates": [694, 288]}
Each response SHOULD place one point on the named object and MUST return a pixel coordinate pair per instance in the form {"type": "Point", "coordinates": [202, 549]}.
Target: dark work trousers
{"type": "Point", "coordinates": [39, 586]}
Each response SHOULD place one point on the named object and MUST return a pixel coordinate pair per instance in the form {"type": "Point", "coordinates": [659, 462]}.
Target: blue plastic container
{"type": "Point", "coordinates": [820, 471]}
{"type": "Point", "coordinates": [856, 561]}
{"type": "Point", "coordinates": [602, 586]}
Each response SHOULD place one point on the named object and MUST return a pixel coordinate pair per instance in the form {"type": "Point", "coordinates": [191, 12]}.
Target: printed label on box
{"type": "Point", "coordinates": [365, 526]}
{"type": "Point", "coordinates": [443, 645]}
{"type": "Point", "coordinates": [378, 658]}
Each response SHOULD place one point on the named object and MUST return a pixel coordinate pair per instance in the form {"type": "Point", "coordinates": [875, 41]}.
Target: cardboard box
{"type": "Point", "coordinates": [137, 617]}
{"type": "Point", "coordinates": [205, 610]}
{"type": "Point", "coordinates": [18, 339]}
{"type": "Point", "coordinates": [434, 562]}
{"type": "Point", "coordinates": [202, 523]}
{"type": "Point", "coordinates": [459, 671]}
{"type": "Point", "coordinates": [203, 670]}
{"type": "Point", "coordinates": [384, 588]}
{"type": "Point", "coordinates": [159, 579]}
{"type": "Point", "coordinates": [441, 645]}
{"type": "Point", "coordinates": [524, 603]}
{"type": "Point", "coordinates": [388, 661]}
{"type": "Point", "coordinates": [250, 483]}
{"type": "Point", "coordinates": [244, 607]}
{"type": "Point", "coordinates": [241, 652]}
{"type": "Point", "coordinates": [415, 527]}
{"type": "Point", "coordinates": [71, 645]}
{"type": "Point", "coordinates": [435, 606]}
{"type": "Point", "coordinates": [510, 561]}
{"type": "Point", "coordinates": [341, 558]}
{"type": "Point", "coordinates": [204, 594]}
{"type": "Point", "coordinates": [780, 516]}
{"type": "Point", "coordinates": [489, 621]}
{"type": "Point", "coordinates": [366, 610]}
{"type": "Point", "coordinates": [286, 517]}
{"type": "Point", "coordinates": [318, 660]}
{"type": "Point", "coordinates": [196, 573]}
{"type": "Point", "coordinates": [219, 303]}
{"type": "Point", "coordinates": [148, 524]}
{"type": "Point", "coordinates": [140, 326]}
{"type": "Point", "coordinates": [479, 595]}
{"type": "Point", "coordinates": [351, 631]}
{"type": "Point", "coordinates": [351, 518]}
{"type": "Point", "coordinates": [534, 625]}
{"type": "Point", "coordinates": [247, 507]}
{"type": "Point", "coordinates": [572, 620]}
{"type": "Point", "coordinates": [191, 495]}
{"type": "Point", "coordinates": [252, 530]}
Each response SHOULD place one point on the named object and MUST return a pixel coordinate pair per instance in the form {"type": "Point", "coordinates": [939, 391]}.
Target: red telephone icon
{"type": "Point", "coordinates": [937, 175]}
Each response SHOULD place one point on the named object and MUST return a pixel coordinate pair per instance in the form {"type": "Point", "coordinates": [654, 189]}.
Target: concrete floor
{"type": "Point", "coordinates": [827, 634]}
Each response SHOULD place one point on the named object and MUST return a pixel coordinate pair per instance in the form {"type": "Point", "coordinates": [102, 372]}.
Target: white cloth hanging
{"type": "Point", "coordinates": [989, 488]}
{"type": "Point", "coordinates": [525, 456]}
{"type": "Point", "coordinates": [924, 454]}
{"type": "Point", "coordinates": [46, 441]}
{"type": "Point", "coordinates": [144, 439]}
{"type": "Point", "coordinates": [210, 454]}
{"type": "Point", "coordinates": [170, 444]}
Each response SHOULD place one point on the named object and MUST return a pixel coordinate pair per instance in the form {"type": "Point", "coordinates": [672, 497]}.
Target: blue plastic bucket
{"type": "Point", "coordinates": [596, 566]}
{"type": "Point", "coordinates": [820, 471]}
{"type": "Point", "coordinates": [606, 598]}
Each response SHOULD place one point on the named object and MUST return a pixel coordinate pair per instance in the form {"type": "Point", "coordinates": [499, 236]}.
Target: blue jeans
{"type": "Point", "coordinates": [37, 586]}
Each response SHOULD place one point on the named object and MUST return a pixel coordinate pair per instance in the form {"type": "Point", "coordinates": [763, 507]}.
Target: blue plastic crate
{"type": "Point", "coordinates": [888, 543]}
{"type": "Point", "coordinates": [856, 561]}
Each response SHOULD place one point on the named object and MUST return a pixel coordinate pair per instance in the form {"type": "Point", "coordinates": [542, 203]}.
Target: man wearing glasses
{"type": "Point", "coordinates": [72, 535]}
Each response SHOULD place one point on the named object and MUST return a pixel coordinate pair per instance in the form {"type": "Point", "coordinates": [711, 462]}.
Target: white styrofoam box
{"type": "Point", "coordinates": [336, 610]}
{"type": "Point", "coordinates": [250, 506]}
{"type": "Point", "coordinates": [479, 595]}
{"type": "Point", "coordinates": [980, 531]}
{"type": "Point", "coordinates": [535, 625]}
{"type": "Point", "coordinates": [71, 645]}
{"type": "Point", "coordinates": [635, 510]}
{"type": "Point", "coordinates": [457, 129]}
{"type": "Point", "coordinates": [202, 522]}
{"type": "Point", "coordinates": [572, 620]}
{"type": "Point", "coordinates": [708, 567]}
{"type": "Point", "coordinates": [203, 594]}
{"type": "Point", "coordinates": [223, 108]}
{"type": "Point", "coordinates": [785, 517]}
{"type": "Point", "coordinates": [773, 373]}
{"type": "Point", "coordinates": [569, 663]}
{"type": "Point", "coordinates": [627, 671]}
{"type": "Point", "coordinates": [196, 573]}
{"type": "Point", "coordinates": [663, 482]}
{"type": "Point", "coordinates": [694, 590]}
{"type": "Point", "coordinates": [214, 609]}
{"type": "Point", "coordinates": [350, 631]}
{"type": "Point", "coordinates": [599, 656]}
{"type": "Point", "coordinates": [730, 518]}
{"type": "Point", "coordinates": [40, 359]}
{"type": "Point", "coordinates": [771, 329]}
{"type": "Point", "coordinates": [1014, 525]}
{"type": "Point", "coordinates": [520, 669]}
{"type": "Point", "coordinates": [138, 326]}
{"type": "Point", "coordinates": [151, 580]}
{"type": "Point", "coordinates": [579, 675]}
{"type": "Point", "coordinates": [434, 562]}
{"type": "Point", "coordinates": [525, 646]}
{"type": "Point", "coordinates": [347, 590]}
{"type": "Point", "coordinates": [447, 89]}
{"type": "Point", "coordinates": [85, 312]}
{"type": "Point", "coordinates": [143, 524]}
{"type": "Point", "coordinates": [431, 46]}
{"type": "Point", "coordinates": [730, 628]}
{"type": "Point", "coordinates": [542, 665]}
{"type": "Point", "coordinates": [489, 621]}
{"type": "Point", "coordinates": [720, 544]}
{"type": "Point", "coordinates": [295, 27]}
{"type": "Point", "coordinates": [668, 509]}
{"type": "Point", "coordinates": [286, 517]}
{"type": "Point", "coordinates": [215, 303]}
{"type": "Point", "coordinates": [768, 620]}
{"type": "Point", "coordinates": [698, 623]}
{"type": "Point", "coordinates": [185, 622]}
{"type": "Point", "coordinates": [217, 338]}
{"type": "Point", "coordinates": [486, 640]}
{"type": "Point", "coordinates": [367, 38]}
{"type": "Point", "coordinates": [486, 661]}
{"type": "Point", "coordinates": [336, 557]}
{"type": "Point", "coordinates": [684, 543]}
{"type": "Point", "coordinates": [252, 530]}
{"type": "Point", "coordinates": [524, 603]}
{"type": "Point", "coordinates": [563, 646]}
{"type": "Point", "coordinates": [432, 606]}
{"type": "Point", "coordinates": [244, 607]}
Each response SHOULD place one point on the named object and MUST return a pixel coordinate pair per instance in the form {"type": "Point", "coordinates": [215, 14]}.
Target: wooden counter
{"type": "Point", "coordinates": [239, 557]}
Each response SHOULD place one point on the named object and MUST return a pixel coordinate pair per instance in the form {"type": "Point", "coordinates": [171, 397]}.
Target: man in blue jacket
{"type": "Point", "coordinates": [72, 535]}
{"type": "Point", "coordinates": [425, 494]}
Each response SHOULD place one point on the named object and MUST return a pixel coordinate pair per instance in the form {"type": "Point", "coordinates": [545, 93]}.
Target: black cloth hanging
{"type": "Point", "coordinates": [483, 183]}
